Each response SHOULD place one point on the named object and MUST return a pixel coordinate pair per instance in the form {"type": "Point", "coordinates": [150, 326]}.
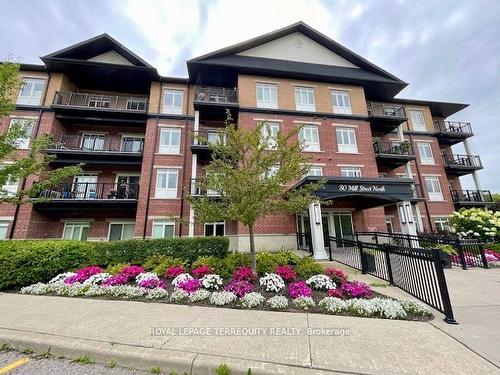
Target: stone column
{"type": "Point", "coordinates": [317, 238]}
{"type": "Point", "coordinates": [406, 218]}
{"type": "Point", "coordinates": [475, 177]}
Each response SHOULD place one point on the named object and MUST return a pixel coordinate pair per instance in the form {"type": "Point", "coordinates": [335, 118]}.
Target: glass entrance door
{"type": "Point", "coordinates": [338, 224]}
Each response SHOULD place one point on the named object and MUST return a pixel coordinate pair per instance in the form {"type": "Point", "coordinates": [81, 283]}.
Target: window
{"type": "Point", "coordinates": [92, 142]}
{"type": "Point", "coordinates": [170, 140]}
{"type": "Point", "coordinates": [163, 229]}
{"type": "Point", "coordinates": [136, 104]}
{"type": "Point", "coordinates": [172, 101]}
{"type": "Point", "coordinates": [346, 140]}
{"type": "Point", "coordinates": [121, 231]}
{"type": "Point", "coordinates": [26, 125]}
{"type": "Point", "coordinates": [76, 230]}
{"type": "Point", "coordinates": [350, 172]}
{"type": "Point", "coordinates": [216, 137]}
{"type": "Point", "coordinates": [442, 224]}
{"type": "Point", "coordinates": [166, 183]}
{"type": "Point", "coordinates": [304, 99]}
{"type": "Point", "coordinates": [434, 189]}
{"type": "Point", "coordinates": [341, 102]}
{"type": "Point", "coordinates": [425, 153]}
{"type": "Point", "coordinates": [31, 91]}
{"type": "Point", "coordinates": [4, 227]}
{"type": "Point", "coordinates": [214, 229]}
{"type": "Point", "coordinates": [417, 121]}
{"type": "Point", "coordinates": [267, 95]}
{"type": "Point", "coordinates": [99, 101]}
{"type": "Point", "coordinates": [269, 133]}
{"type": "Point", "coordinates": [10, 188]}
{"type": "Point", "coordinates": [132, 144]}
{"type": "Point", "coordinates": [309, 138]}
{"type": "Point", "coordinates": [315, 170]}
{"type": "Point", "coordinates": [388, 224]}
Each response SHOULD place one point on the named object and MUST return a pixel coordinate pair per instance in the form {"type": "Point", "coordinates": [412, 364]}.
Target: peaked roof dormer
{"type": "Point", "coordinates": [301, 52]}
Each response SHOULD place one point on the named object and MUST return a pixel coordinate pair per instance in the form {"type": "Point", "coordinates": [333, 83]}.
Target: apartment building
{"type": "Point", "coordinates": [388, 162]}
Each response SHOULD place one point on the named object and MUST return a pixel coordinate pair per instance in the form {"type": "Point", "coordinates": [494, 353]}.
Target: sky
{"type": "Point", "coordinates": [447, 50]}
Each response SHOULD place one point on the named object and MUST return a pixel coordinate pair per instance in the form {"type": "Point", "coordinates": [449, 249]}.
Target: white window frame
{"type": "Point", "coordinates": [139, 104]}
{"type": "Point", "coordinates": [315, 170]}
{"type": "Point", "coordinates": [4, 229]}
{"type": "Point", "coordinates": [162, 223]}
{"type": "Point", "coordinates": [214, 224]}
{"type": "Point", "coordinates": [341, 102]}
{"type": "Point", "coordinates": [418, 120]}
{"type": "Point", "coordinates": [72, 225]}
{"type": "Point", "coordinates": [171, 108]}
{"type": "Point", "coordinates": [306, 93]}
{"type": "Point", "coordinates": [441, 223]}
{"type": "Point", "coordinates": [122, 223]}
{"type": "Point", "coordinates": [272, 95]}
{"type": "Point", "coordinates": [135, 139]}
{"type": "Point", "coordinates": [170, 149]}
{"type": "Point", "coordinates": [388, 222]}
{"type": "Point", "coordinates": [31, 99]}
{"type": "Point", "coordinates": [166, 192]}
{"type": "Point", "coordinates": [23, 142]}
{"type": "Point", "coordinates": [270, 130]}
{"type": "Point", "coordinates": [350, 171]}
{"type": "Point", "coordinates": [306, 136]}
{"type": "Point", "coordinates": [425, 153]}
{"type": "Point", "coordinates": [346, 140]}
{"type": "Point", "coordinates": [434, 182]}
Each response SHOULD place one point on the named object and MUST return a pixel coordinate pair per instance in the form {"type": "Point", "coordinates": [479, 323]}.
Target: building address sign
{"type": "Point", "coordinates": [358, 188]}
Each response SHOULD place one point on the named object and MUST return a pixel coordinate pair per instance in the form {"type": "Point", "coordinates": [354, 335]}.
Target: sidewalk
{"type": "Point", "coordinates": [120, 330]}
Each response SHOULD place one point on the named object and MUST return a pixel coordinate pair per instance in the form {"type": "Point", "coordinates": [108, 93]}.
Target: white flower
{"type": "Point", "coordinates": [222, 298]}
{"type": "Point", "coordinates": [178, 295]}
{"type": "Point", "coordinates": [38, 288]}
{"type": "Point", "coordinates": [125, 291]}
{"type": "Point", "coordinates": [211, 281]}
{"type": "Point", "coordinates": [180, 278]}
{"type": "Point", "coordinates": [332, 305]}
{"type": "Point", "coordinates": [96, 279]}
{"type": "Point", "coordinates": [384, 307]}
{"type": "Point", "coordinates": [59, 279]}
{"type": "Point", "coordinates": [272, 282]}
{"type": "Point", "coordinates": [95, 291]}
{"type": "Point", "coordinates": [320, 282]}
{"type": "Point", "coordinates": [476, 234]}
{"type": "Point", "coordinates": [70, 290]}
{"type": "Point", "coordinates": [199, 295]}
{"type": "Point", "coordinates": [157, 293]}
{"type": "Point", "coordinates": [252, 299]}
{"type": "Point", "coordinates": [146, 276]}
{"type": "Point", "coordinates": [277, 302]}
{"type": "Point", "coordinates": [304, 303]}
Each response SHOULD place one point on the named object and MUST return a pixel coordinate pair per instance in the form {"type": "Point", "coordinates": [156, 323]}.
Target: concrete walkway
{"type": "Point", "coordinates": [122, 331]}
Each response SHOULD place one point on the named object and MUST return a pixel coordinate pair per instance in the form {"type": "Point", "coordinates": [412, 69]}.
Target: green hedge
{"type": "Point", "coordinates": [26, 262]}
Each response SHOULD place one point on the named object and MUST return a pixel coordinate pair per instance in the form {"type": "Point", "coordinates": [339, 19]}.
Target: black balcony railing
{"type": "Point", "coordinates": [205, 137]}
{"type": "Point", "coordinates": [392, 148]}
{"type": "Point", "coordinates": [462, 161]}
{"type": "Point", "coordinates": [91, 191]}
{"type": "Point", "coordinates": [98, 143]}
{"type": "Point", "coordinates": [212, 94]}
{"type": "Point", "coordinates": [471, 196]}
{"type": "Point", "coordinates": [135, 104]}
{"type": "Point", "coordinates": [388, 110]}
{"type": "Point", "coordinates": [453, 127]}
{"type": "Point", "coordinates": [197, 190]}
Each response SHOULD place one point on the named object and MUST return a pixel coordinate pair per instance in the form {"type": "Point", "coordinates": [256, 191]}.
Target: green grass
{"type": "Point", "coordinates": [379, 284]}
{"type": "Point", "coordinates": [156, 370]}
{"type": "Point", "coordinates": [111, 364]}
{"type": "Point", "coordinates": [83, 360]}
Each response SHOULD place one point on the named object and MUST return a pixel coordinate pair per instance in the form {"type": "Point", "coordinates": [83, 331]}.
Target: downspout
{"type": "Point", "coordinates": [181, 213]}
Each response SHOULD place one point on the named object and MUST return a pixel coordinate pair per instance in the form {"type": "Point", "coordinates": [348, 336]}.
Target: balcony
{"type": "Point", "coordinates": [393, 154]}
{"type": "Point", "coordinates": [452, 132]}
{"type": "Point", "coordinates": [99, 107]}
{"type": "Point", "coordinates": [202, 139]}
{"type": "Point", "coordinates": [474, 198]}
{"type": "Point", "coordinates": [385, 117]}
{"type": "Point", "coordinates": [197, 191]}
{"type": "Point", "coordinates": [460, 165]}
{"type": "Point", "coordinates": [97, 149]}
{"type": "Point", "coordinates": [213, 101]}
{"type": "Point", "coordinates": [75, 198]}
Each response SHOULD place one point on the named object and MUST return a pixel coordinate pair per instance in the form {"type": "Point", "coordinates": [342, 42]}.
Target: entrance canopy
{"type": "Point", "coordinates": [362, 193]}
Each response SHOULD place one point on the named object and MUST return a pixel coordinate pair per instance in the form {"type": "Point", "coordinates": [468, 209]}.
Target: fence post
{"type": "Point", "coordinates": [409, 240]}
{"type": "Point", "coordinates": [461, 254]}
{"type": "Point", "coordinates": [386, 250]}
{"type": "Point", "coordinates": [329, 239]}
{"type": "Point", "coordinates": [443, 288]}
{"type": "Point", "coordinates": [483, 256]}
{"type": "Point", "coordinates": [362, 257]}
{"type": "Point", "coordinates": [376, 238]}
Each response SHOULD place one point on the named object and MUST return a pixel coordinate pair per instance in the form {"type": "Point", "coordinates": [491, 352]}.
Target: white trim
{"type": "Point", "coordinates": [351, 165]}
{"type": "Point", "coordinates": [90, 220]}
{"type": "Point", "coordinates": [170, 126]}
{"type": "Point", "coordinates": [119, 222]}
{"type": "Point", "coordinates": [266, 82]}
{"type": "Point", "coordinates": [267, 119]}
{"type": "Point", "coordinates": [304, 86]}
{"type": "Point", "coordinates": [422, 140]}
{"type": "Point", "coordinates": [339, 88]}
{"type": "Point", "coordinates": [6, 218]}
{"type": "Point", "coordinates": [135, 135]}
{"type": "Point", "coordinates": [24, 117]}
{"type": "Point", "coordinates": [344, 125]}
{"type": "Point", "coordinates": [430, 175]}
{"type": "Point", "coordinates": [167, 166]}
{"type": "Point", "coordinates": [165, 223]}
{"type": "Point", "coordinates": [214, 223]}
{"type": "Point", "coordinates": [307, 122]}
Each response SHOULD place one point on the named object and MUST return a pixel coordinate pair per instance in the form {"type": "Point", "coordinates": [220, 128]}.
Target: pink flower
{"type": "Point", "coordinates": [131, 272]}
{"type": "Point", "coordinates": [338, 276]}
{"type": "Point", "coordinates": [152, 284]}
{"type": "Point", "coordinates": [83, 274]}
{"type": "Point", "coordinates": [118, 279]}
{"type": "Point", "coordinates": [190, 285]}
{"type": "Point", "coordinates": [299, 289]}
{"type": "Point", "coordinates": [173, 271]}
{"type": "Point", "coordinates": [357, 289]}
{"type": "Point", "coordinates": [491, 256]}
{"type": "Point", "coordinates": [286, 272]}
{"type": "Point", "coordinates": [201, 271]}
{"type": "Point", "coordinates": [335, 292]}
{"type": "Point", "coordinates": [244, 274]}
{"type": "Point", "coordinates": [239, 287]}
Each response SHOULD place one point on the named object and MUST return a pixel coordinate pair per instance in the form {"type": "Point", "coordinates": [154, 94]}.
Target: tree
{"type": "Point", "coordinates": [253, 173]}
{"type": "Point", "coordinates": [36, 161]}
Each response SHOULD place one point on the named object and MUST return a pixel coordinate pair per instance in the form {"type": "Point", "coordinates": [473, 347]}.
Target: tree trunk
{"type": "Point", "coordinates": [252, 247]}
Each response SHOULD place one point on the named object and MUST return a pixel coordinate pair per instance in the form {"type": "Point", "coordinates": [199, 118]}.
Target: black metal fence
{"type": "Point", "coordinates": [418, 272]}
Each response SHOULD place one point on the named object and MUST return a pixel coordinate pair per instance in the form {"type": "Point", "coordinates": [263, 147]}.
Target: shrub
{"type": "Point", "coordinates": [299, 289]}
{"type": "Point", "coordinates": [217, 264]}
{"type": "Point", "coordinates": [267, 262]}
{"type": "Point", "coordinates": [201, 271]}
{"type": "Point", "coordinates": [476, 223]}
{"type": "Point", "coordinates": [115, 269]}
{"type": "Point", "coordinates": [335, 292]}
{"type": "Point", "coordinates": [131, 272]}
{"type": "Point", "coordinates": [307, 267]}
{"type": "Point", "coordinates": [338, 276]}
{"type": "Point", "coordinates": [244, 274]}
{"type": "Point", "coordinates": [233, 261]}
{"type": "Point", "coordinates": [173, 271]}
{"type": "Point", "coordinates": [357, 289]}
{"type": "Point", "coordinates": [239, 287]}
{"type": "Point", "coordinates": [286, 272]}
{"type": "Point", "coordinates": [159, 263]}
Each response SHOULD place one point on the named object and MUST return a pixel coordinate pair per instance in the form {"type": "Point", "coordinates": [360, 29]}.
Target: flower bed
{"type": "Point", "coordinates": [329, 292]}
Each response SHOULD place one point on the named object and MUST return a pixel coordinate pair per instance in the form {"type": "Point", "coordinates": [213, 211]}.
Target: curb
{"type": "Point", "coordinates": [145, 358]}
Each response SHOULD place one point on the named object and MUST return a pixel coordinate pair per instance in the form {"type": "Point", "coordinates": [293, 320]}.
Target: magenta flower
{"type": "Point", "coordinates": [189, 285]}
{"type": "Point", "coordinates": [152, 284]}
{"type": "Point", "coordinates": [83, 274]}
{"type": "Point", "coordinates": [201, 271]}
{"type": "Point", "coordinates": [119, 279]}
{"type": "Point", "coordinates": [239, 287]}
{"type": "Point", "coordinates": [244, 274]}
{"type": "Point", "coordinates": [357, 289]}
{"type": "Point", "coordinates": [299, 289]}
{"type": "Point", "coordinates": [173, 271]}
{"type": "Point", "coordinates": [286, 272]}
{"type": "Point", "coordinates": [335, 292]}
{"type": "Point", "coordinates": [131, 271]}
{"type": "Point", "coordinates": [338, 276]}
